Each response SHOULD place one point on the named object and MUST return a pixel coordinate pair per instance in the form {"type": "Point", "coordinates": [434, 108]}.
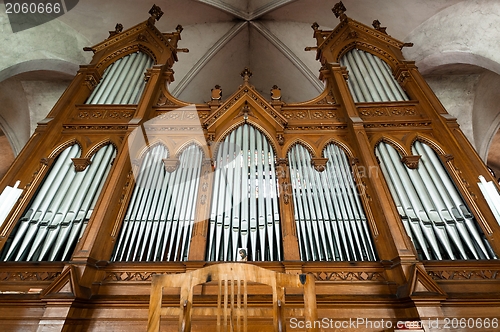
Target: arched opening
{"type": "Point", "coordinates": [244, 219]}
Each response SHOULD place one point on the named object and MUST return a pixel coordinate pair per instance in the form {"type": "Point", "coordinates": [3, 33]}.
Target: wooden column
{"type": "Point", "coordinates": [288, 228]}
{"type": "Point", "coordinates": [197, 249]}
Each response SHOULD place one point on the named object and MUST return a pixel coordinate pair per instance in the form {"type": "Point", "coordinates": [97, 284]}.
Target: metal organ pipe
{"type": "Point", "coordinates": [370, 78]}
{"type": "Point", "coordinates": [331, 223]}
{"type": "Point", "coordinates": [244, 204]}
{"type": "Point", "coordinates": [46, 231]}
{"type": "Point", "coordinates": [122, 81]}
{"type": "Point", "coordinates": [442, 214]}
{"type": "Point", "coordinates": [159, 220]}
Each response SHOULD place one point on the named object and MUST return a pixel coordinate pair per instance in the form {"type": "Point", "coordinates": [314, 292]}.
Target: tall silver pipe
{"type": "Point", "coordinates": [391, 81]}
{"type": "Point", "coordinates": [353, 67]}
{"type": "Point", "coordinates": [390, 95]}
{"type": "Point", "coordinates": [111, 81]}
{"type": "Point", "coordinates": [105, 83]}
{"type": "Point", "coordinates": [368, 75]}
{"type": "Point", "coordinates": [359, 206]}
{"type": "Point", "coordinates": [128, 77]}
{"type": "Point", "coordinates": [352, 83]}
{"type": "Point", "coordinates": [307, 202]}
{"type": "Point", "coordinates": [253, 198]}
{"type": "Point", "coordinates": [44, 205]}
{"type": "Point", "coordinates": [298, 210]}
{"type": "Point", "coordinates": [136, 94]}
{"type": "Point", "coordinates": [245, 194]}
{"type": "Point", "coordinates": [63, 216]}
{"type": "Point", "coordinates": [418, 229]}
{"type": "Point", "coordinates": [44, 188]}
{"type": "Point", "coordinates": [94, 174]}
{"type": "Point", "coordinates": [261, 199]}
{"type": "Point", "coordinates": [371, 78]}
{"type": "Point", "coordinates": [89, 202]}
{"type": "Point", "coordinates": [145, 169]}
{"type": "Point", "coordinates": [273, 190]}
{"type": "Point", "coordinates": [238, 193]}
{"type": "Point", "coordinates": [450, 195]}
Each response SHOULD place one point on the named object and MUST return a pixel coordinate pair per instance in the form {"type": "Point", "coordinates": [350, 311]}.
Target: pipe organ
{"type": "Point", "coordinates": [122, 81]}
{"type": "Point", "coordinates": [245, 211]}
{"type": "Point", "coordinates": [371, 79]}
{"type": "Point", "coordinates": [61, 209]}
{"type": "Point", "coordinates": [160, 217]}
{"type": "Point", "coordinates": [370, 187]}
{"type": "Point", "coordinates": [432, 211]}
{"type": "Point", "coordinates": [331, 223]}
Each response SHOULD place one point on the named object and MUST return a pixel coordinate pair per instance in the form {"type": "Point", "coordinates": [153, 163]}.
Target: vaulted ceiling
{"type": "Point", "coordinates": [455, 47]}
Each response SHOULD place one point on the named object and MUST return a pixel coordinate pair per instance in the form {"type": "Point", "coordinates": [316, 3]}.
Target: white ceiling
{"type": "Point", "coordinates": [268, 36]}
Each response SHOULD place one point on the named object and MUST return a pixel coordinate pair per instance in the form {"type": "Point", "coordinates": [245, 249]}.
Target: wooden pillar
{"type": "Point", "coordinates": [288, 228]}
{"type": "Point", "coordinates": [197, 249]}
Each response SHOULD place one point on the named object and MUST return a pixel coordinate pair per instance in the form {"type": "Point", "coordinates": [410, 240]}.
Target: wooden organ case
{"type": "Point", "coordinates": [370, 187]}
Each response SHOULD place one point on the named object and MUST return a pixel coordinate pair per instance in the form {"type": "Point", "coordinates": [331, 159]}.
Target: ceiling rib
{"type": "Point", "coordinates": [207, 57]}
{"type": "Point", "coordinates": [267, 8]}
{"type": "Point", "coordinates": [226, 8]}
{"type": "Point", "coordinates": [289, 55]}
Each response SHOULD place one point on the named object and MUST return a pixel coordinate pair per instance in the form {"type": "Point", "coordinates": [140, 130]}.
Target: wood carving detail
{"type": "Point", "coordinates": [465, 275]}
{"type": "Point", "coordinates": [28, 276]}
{"type": "Point", "coordinates": [349, 276]}
{"type": "Point", "coordinates": [411, 161]}
{"type": "Point", "coordinates": [105, 114]}
{"type": "Point", "coordinates": [81, 163]}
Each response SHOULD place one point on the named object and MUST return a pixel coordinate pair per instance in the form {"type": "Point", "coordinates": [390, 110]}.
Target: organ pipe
{"type": "Point", "coordinates": [331, 222]}
{"type": "Point", "coordinates": [122, 81]}
{"type": "Point", "coordinates": [160, 217]}
{"type": "Point", "coordinates": [54, 220]}
{"type": "Point", "coordinates": [434, 214]}
{"type": "Point", "coordinates": [244, 210]}
{"type": "Point", "coordinates": [370, 78]}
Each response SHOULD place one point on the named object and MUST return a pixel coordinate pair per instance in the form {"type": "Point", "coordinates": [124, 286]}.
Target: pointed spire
{"type": "Point", "coordinates": [156, 13]}
{"type": "Point", "coordinates": [339, 10]}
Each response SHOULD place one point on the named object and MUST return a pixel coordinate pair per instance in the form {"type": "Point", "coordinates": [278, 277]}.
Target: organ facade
{"type": "Point", "coordinates": [371, 188]}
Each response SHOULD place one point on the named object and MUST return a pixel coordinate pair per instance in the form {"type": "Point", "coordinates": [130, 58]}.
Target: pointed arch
{"type": "Point", "coordinates": [341, 144]}
{"type": "Point", "coordinates": [383, 138]}
{"type": "Point", "coordinates": [430, 141]}
{"type": "Point", "coordinates": [201, 145]}
{"type": "Point", "coordinates": [236, 125]}
{"type": "Point", "coordinates": [302, 142]}
{"type": "Point", "coordinates": [92, 150]}
{"type": "Point", "coordinates": [61, 147]}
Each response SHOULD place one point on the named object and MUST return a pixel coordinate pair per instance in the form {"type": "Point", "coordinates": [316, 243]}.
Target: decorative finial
{"type": "Point", "coordinates": [179, 28]}
{"type": "Point", "coordinates": [275, 93]}
{"type": "Point", "coordinates": [377, 25]}
{"type": "Point", "coordinates": [118, 29]}
{"type": "Point", "coordinates": [246, 74]}
{"type": "Point", "coordinates": [339, 10]}
{"type": "Point", "coordinates": [216, 92]}
{"type": "Point", "coordinates": [156, 13]}
{"type": "Point", "coordinates": [246, 110]}
{"type": "Point", "coordinates": [315, 26]}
